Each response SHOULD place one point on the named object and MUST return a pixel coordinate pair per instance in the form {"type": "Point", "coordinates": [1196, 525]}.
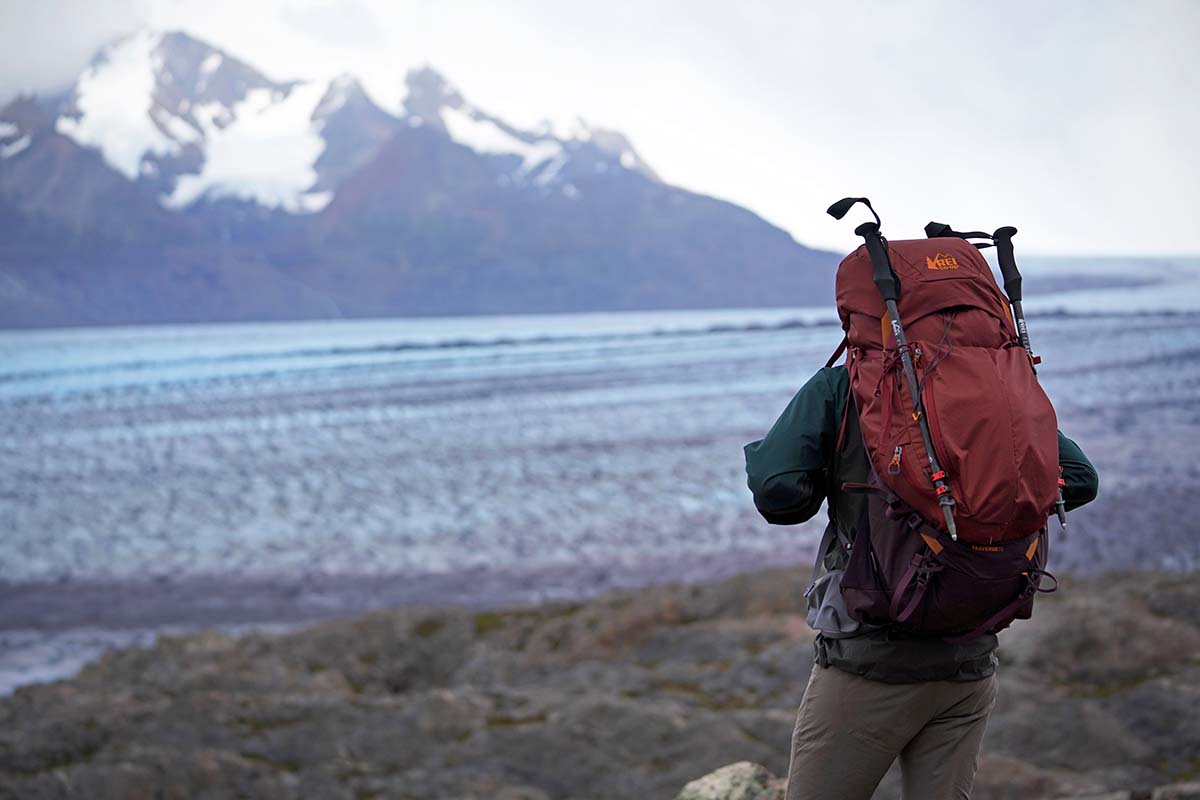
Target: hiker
{"type": "Point", "coordinates": [882, 694]}
{"type": "Point", "coordinates": [901, 671]}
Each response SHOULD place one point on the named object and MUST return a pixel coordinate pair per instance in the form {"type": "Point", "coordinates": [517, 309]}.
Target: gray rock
{"type": "Point", "coordinates": [1178, 791]}
{"type": "Point", "coordinates": [521, 793]}
{"type": "Point", "coordinates": [740, 781]}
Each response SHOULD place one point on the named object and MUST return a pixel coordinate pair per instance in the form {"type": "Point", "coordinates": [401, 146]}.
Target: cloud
{"type": "Point", "coordinates": [45, 45]}
{"type": "Point", "coordinates": [346, 24]}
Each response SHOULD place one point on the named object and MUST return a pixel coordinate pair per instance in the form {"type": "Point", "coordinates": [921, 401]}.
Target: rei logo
{"type": "Point", "coordinates": [941, 261]}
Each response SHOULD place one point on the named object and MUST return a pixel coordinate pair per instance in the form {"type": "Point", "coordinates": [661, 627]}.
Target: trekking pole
{"type": "Point", "coordinates": [1012, 287]}
{"type": "Point", "coordinates": [889, 287]}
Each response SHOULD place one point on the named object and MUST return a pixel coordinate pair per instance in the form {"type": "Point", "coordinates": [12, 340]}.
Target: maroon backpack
{"type": "Point", "coordinates": [964, 470]}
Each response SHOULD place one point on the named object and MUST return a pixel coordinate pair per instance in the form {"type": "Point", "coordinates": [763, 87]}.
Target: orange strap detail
{"type": "Point", "coordinates": [1032, 549]}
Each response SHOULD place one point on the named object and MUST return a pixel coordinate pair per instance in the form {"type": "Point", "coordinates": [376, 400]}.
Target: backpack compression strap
{"type": "Point", "coordinates": [935, 230]}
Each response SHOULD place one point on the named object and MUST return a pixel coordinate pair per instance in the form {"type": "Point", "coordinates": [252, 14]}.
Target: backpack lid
{"type": "Point", "coordinates": [934, 274]}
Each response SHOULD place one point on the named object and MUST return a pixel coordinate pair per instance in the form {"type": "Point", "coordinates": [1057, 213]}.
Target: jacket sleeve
{"type": "Point", "coordinates": [1080, 478]}
{"type": "Point", "coordinates": [785, 469]}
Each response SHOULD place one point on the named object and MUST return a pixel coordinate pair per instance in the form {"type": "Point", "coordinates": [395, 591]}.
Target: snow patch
{"type": "Point", "coordinates": [207, 67]}
{"type": "Point", "coordinates": [569, 128]}
{"type": "Point", "coordinates": [265, 153]}
{"type": "Point", "coordinates": [628, 159]}
{"type": "Point", "coordinates": [313, 201]}
{"type": "Point", "coordinates": [8, 129]}
{"type": "Point", "coordinates": [178, 128]}
{"type": "Point", "coordinates": [335, 97]}
{"type": "Point", "coordinates": [381, 90]}
{"type": "Point", "coordinates": [212, 115]}
{"type": "Point", "coordinates": [10, 150]}
{"type": "Point", "coordinates": [114, 98]}
{"type": "Point", "coordinates": [487, 138]}
{"type": "Point", "coordinates": [548, 173]}
{"type": "Point", "coordinates": [210, 64]}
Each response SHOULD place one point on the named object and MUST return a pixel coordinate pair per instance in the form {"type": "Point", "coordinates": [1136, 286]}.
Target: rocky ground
{"type": "Point", "coordinates": [747, 781]}
{"type": "Point", "coordinates": [632, 695]}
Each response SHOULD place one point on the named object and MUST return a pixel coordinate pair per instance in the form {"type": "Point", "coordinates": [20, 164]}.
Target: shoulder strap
{"type": "Point", "coordinates": [841, 437]}
{"type": "Point", "coordinates": [832, 530]}
{"type": "Point", "coordinates": [836, 463]}
{"type": "Point", "coordinates": [826, 540]}
{"type": "Point", "coordinates": [841, 348]}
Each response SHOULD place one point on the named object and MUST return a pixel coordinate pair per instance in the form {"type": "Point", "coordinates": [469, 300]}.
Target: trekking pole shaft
{"type": "Point", "coordinates": [889, 287]}
{"type": "Point", "coordinates": [1012, 287]}
{"type": "Point", "coordinates": [945, 499]}
{"type": "Point", "coordinates": [1023, 331]}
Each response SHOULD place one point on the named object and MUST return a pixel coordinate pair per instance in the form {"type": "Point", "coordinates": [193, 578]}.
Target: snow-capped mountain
{"type": "Point", "coordinates": [198, 124]}
{"type": "Point", "coordinates": [540, 158]}
{"type": "Point", "coordinates": [170, 157]}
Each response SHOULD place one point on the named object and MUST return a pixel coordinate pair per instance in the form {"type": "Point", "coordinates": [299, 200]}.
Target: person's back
{"type": "Point", "coordinates": [877, 692]}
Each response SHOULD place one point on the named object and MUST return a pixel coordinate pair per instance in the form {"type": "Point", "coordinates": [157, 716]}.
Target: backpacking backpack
{"type": "Point", "coordinates": [961, 439]}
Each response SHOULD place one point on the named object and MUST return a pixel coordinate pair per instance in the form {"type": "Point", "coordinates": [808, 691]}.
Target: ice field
{"type": "Point", "coordinates": [228, 475]}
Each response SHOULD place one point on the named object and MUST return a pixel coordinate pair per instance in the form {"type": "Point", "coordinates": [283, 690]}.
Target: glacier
{"type": "Point", "coordinates": [165, 477]}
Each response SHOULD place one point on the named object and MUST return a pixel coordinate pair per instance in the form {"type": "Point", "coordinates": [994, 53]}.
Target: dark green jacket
{"type": "Point", "coordinates": [788, 472]}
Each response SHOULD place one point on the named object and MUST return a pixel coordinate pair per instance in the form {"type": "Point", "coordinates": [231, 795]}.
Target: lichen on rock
{"type": "Point", "coordinates": [741, 781]}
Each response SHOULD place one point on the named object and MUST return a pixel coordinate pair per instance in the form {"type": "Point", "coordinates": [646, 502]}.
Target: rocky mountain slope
{"type": "Point", "coordinates": [632, 695]}
{"type": "Point", "coordinates": [175, 182]}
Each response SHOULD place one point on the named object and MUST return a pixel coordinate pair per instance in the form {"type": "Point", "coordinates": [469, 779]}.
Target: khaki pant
{"type": "Point", "coordinates": [849, 730]}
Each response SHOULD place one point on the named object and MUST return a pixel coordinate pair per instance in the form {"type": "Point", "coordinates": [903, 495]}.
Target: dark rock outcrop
{"type": "Point", "coordinates": [632, 695]}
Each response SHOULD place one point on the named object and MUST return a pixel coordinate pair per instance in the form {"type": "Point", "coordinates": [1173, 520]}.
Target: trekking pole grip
{"type": "Point", "coordinates": [1008, 262]}
{"type": "Point", "coordinates": [883, 275]}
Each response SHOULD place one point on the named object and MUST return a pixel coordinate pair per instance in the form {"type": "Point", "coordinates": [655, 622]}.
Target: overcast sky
{"type": "Point", "coordinates": [1074, 121]}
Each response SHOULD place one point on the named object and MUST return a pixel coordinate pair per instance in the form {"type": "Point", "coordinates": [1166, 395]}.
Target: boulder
{"type": "Point", "coordinates": [741, 781]}
{"type": "Point", "coordinates": [1178, 791]}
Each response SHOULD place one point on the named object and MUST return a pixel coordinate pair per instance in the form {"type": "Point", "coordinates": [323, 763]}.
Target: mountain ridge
{"type": "Point", "coordinates": [174, 182]}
